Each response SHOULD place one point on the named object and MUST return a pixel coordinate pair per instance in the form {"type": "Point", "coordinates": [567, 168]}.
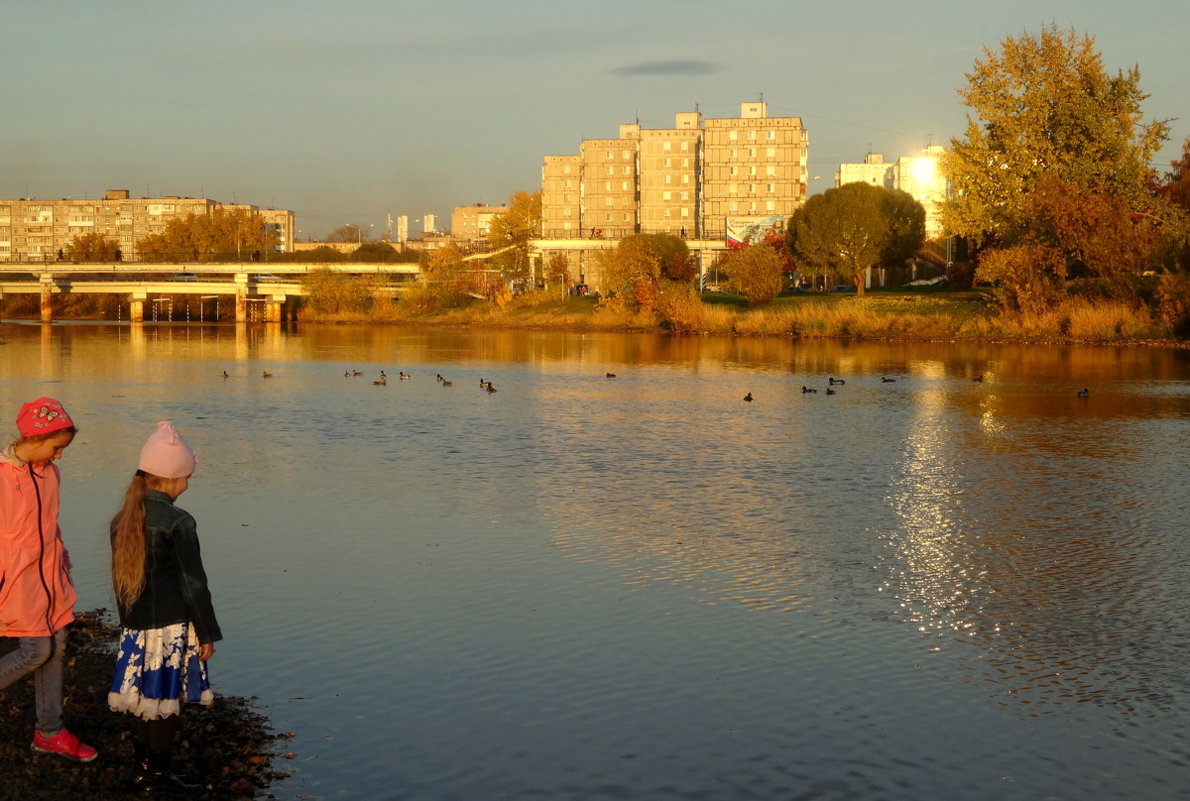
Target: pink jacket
{"type": "Point", "coordinates": [36, 594]}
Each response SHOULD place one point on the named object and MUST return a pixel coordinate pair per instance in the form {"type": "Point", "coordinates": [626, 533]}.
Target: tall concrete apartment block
{"type": "Point", "coordinates": [35, 230]}
{"type": "Point", "coordinates": [689, 180]}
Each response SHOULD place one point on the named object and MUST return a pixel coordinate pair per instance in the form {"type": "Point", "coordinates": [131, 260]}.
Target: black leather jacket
{"type": "Point", "coordinates": [175, 582]}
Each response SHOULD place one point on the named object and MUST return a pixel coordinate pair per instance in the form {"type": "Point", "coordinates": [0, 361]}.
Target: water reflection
{"type": "Point", "coordinates": [645, 574]}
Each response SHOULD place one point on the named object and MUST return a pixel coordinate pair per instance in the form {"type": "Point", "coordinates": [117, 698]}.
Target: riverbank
{"type": "Point", "coordinates": [914, 315]}
{"type": "Point", "coordinates": [227, 746]}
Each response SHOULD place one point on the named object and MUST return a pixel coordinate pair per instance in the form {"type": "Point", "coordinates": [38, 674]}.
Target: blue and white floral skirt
{"type": "Point", "coordinates": [158, 670]}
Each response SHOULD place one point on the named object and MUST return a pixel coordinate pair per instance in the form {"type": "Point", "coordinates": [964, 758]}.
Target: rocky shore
{"type": "Point", "coordinates": [227, 746]}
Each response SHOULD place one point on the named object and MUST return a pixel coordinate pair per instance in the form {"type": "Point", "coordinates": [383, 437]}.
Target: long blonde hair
{"type": "Point", "coordinates": [129, 544]}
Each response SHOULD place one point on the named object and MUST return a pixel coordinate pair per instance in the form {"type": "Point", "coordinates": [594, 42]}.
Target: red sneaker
{"type": "Point", "coordinates": [64, 744]}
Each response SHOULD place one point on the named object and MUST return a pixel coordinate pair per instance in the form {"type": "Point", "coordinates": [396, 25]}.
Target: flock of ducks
{"type": "Point", "coordinates": [486, 385]}
{"type": "Point", "coordinates": [833, 382]}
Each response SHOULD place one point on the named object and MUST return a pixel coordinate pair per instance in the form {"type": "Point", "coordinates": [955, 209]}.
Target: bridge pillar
{"type": "Point", "coordinates": [136, 306]}
{"type": "Point", "coordinates": [274, 309]}
{"type": "Point", "coordinates": [47, 307]}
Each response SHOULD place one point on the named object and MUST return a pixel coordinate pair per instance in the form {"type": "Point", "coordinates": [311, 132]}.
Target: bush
{"type": "Point", "coordinates": [679, 307]}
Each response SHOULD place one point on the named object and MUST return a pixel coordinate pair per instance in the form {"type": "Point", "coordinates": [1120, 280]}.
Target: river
{"type": "Point", "coordinates": [953, 578]}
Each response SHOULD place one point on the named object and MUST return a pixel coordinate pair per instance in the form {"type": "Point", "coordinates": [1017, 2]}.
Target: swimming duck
{"type": "Point", "coordinates": [808, 391]}
{"type": "Point", "coordinates": [886, 380]}
{"type": "Point", "coordinates": [225, 375]}
{"type": "Point", "coordinates": [356, 372]}
{"type": "Point", "coordinates": [263, 374]}
{"type": "Point", "coordinates": [978, 379]}
{"type": "Point", "coordinates": [484, 384]}
{"type": "Point", "coordinates": [1084, 393]}
{"type": "Point", "coordinates": [611, 375]}
{"type": "Point", "coordinates": [489, 387]}
{"type": "Point", "coordinates": [748, 397]}
{"type": "Point", "coordinates": [446, 383]}
{"type": "Point", "coordinates": [830, 391]}
{"type": "Point", "coordinates": [381, 383]}
{"type": "Point", "coordinates": [438, 377]}
{"type": "Point", "coordinates": [832, 380]}
{"type": "Point", "coordinates": [402, 375]}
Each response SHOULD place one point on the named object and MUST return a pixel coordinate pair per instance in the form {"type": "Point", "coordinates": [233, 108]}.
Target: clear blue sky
{"type": "Point", "coordinates": [345, 111]}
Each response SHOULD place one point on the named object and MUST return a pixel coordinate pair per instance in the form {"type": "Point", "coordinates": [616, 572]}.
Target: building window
{"type": "Point", "coordinates": [667, 195]}
{"type": "Point", "coordinates": [731, 170]}
{"type": "Point", "coordinates": [566, 213]}
{"type": "Point", "coordinates": [668, 179]}
{"type": "Point", "coordinates": [607, 185]}
{"type": "Point", "coordinates": [667, 145]}
{"type": "Point", "coordinates": [771, 205]}
{"type": "Point", "coordinates": [609, 201]}
{"type": "Point", "coordinates": [771, 152]}
{"type": "Point", "coordinates": [685, 212]}
{"type": "Point", "coordinates": [624, 185]}
{"type": "Point", "coordinates": [609, 155]}
{"type": "Point", "coordinates": [732, 188]}
{"type": "Point", "coordinates": [752, 170]}
{"type": "Point", "coordinates": [772, 187]}
{"type": "Point", "coordinates": [685, 179]}
{"type": "Point", "coordinates": [566, 170]}
{"type": "Point", "coordinates": [611, 170]}
{"type": "Point", "coordinates": [625, 154]}
{"type": "Point", "coordinates": [685, 145]}
{"type": "Point", "coordinates": [752, 135]}
{"type": "Point", "coordinates": [771, 134]}
{"type": "Point", "coordinates": [733, 206]}
{"type": "Point", "coordinates": [732, 136]}
{"type": "Point", "coordinates": [751, 152]}
{"type": "Point", "coordinates": [627, 169]}
{"type": "Point", "coordinates": [771, 169]}
{"type": "Point", "coordinates": [751, 188]}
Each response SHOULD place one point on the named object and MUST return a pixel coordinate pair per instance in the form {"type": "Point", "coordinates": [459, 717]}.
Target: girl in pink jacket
{"type": "Point", "coordinates": [36, 594]}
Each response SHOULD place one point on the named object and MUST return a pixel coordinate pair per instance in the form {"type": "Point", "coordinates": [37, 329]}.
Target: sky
{"type": "Point", "coordinates": [346, 112]}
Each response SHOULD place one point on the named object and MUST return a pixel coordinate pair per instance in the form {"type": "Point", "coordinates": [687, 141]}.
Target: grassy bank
{"type": "Point", "coordinates": [931, 315]}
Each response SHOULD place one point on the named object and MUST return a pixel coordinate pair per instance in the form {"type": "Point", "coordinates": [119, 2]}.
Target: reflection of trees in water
{"type": "Point", "coordinates": [1036, 549]}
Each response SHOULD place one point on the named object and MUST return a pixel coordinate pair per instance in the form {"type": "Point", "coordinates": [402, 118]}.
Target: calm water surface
{"type": "Point", "coordinates": [587, 588]}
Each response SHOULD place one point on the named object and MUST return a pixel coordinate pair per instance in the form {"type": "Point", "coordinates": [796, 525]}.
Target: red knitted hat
{"type": "Point", "coordinates": [42, 416]}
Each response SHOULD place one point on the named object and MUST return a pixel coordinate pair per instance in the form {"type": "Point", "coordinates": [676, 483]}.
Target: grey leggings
{"type": "Point", "coordinates": [41, 656]}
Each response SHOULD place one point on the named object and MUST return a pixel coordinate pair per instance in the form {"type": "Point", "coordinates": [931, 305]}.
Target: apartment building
{"type": "Point", "coordinates": [920, 175]}
{"type": "Point", "coordinates": [696, 179]}
{"type": "Point", "coordinates": [36, 230]}
{"type": "Point", "coordinates": [474, 223]}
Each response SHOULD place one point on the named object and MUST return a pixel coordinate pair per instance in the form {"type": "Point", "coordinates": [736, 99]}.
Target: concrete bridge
{"type": "Point", "coordinates": [277, 286]}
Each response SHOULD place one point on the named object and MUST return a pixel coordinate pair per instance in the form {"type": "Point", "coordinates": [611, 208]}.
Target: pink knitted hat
{"type": "Point", "coordinates": [42, 416]}
{"type": "Point", "coordinates": [166, 454]}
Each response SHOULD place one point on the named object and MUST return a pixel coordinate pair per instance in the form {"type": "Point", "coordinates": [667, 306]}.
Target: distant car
{"type": "Point", "coordinates": [842, 288]}
{"type": "Point", "coordinates": [184, 277]}
{"type": "Point", "coordinates": [266, 278]}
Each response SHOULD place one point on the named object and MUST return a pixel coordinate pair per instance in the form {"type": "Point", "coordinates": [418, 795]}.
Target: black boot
{"type": "Point", "coordinates": [155, 775]}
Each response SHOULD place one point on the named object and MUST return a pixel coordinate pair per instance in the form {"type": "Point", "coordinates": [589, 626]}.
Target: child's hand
{"type": "Point", "coordinates": [205, 651]}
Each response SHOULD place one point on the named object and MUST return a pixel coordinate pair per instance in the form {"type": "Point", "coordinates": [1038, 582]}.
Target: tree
{"type": "Point", "coordinates": [348, 232]}
{"type": "Point", "coordinates": [92, 247]}
{"type": "Point", "coordinates": [843, 231]}
{"type": "Point", "coordinates": [755, 272]}
{"type": "Point", "coordinates": [557, 271]}
{"type": "Point", "coordinates": [1045, 106]}
{"type": "Point", "coordinates": [512, 232]}
{"type": "Point", "coordinates": [222, 235]}
{"type": "Point", "coordinates": [375, 251]}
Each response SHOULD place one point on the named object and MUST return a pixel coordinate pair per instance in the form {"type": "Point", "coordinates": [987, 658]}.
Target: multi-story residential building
{"type": "Point", "coordinates": [474, 223]}
{"type": "Point", "coordinates": [697, 179]}
{"type": "Point", "coordinates": [921, 176]}
{"type": "Point", "coordinates": [36, 230]}
{"type": "Point", "coordinates": [872, 170]}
